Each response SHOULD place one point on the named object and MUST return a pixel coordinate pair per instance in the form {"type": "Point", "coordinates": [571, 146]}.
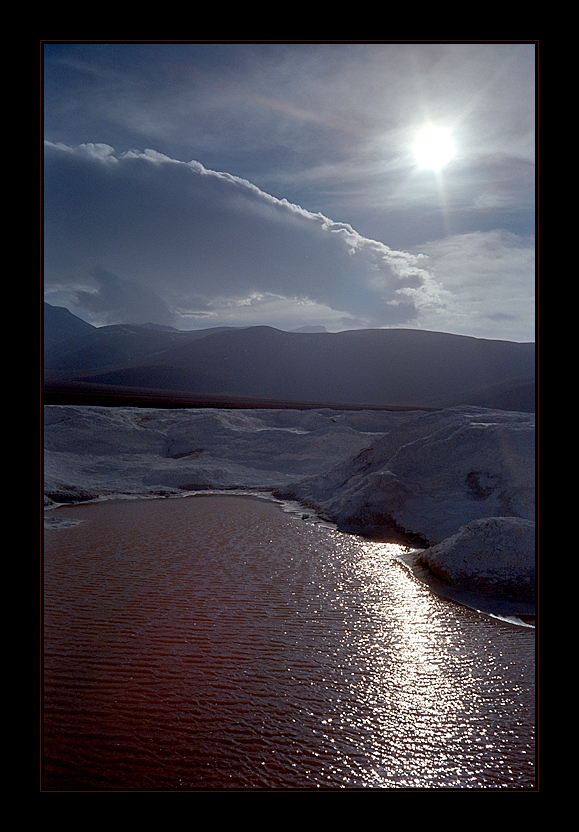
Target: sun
{"type": "Point", "coordinates": [434, 148]}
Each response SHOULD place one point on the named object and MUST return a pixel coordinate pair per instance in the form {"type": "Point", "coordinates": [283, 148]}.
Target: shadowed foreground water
{"type": "Point", "coordinates": [217, 642]}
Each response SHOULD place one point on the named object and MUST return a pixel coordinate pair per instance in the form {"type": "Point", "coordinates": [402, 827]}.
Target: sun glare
{"type": "Point", "coordinates": [433, 148]}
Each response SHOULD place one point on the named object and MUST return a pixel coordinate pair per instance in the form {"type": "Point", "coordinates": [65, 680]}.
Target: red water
{"type": "Point", "coordinates": [218, 643]}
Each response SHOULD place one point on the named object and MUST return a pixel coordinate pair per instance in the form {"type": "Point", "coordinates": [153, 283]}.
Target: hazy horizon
{"type": "Point", "coordinates": [311, 329]}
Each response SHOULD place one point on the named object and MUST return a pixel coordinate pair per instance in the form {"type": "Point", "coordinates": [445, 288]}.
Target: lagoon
{"type": "Point", "coordinates": [220, 642]}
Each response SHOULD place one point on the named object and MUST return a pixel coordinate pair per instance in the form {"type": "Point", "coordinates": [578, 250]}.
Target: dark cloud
{"type": "Point", "coordinates": [153, 233]}
{"type": "Point", "coordinates": [114, 299]}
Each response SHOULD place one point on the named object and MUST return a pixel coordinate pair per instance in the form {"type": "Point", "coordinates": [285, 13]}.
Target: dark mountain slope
{"type": "Point", "coordinates": [380, 367]}
{"type": "Point", "coordinates": [60, 325]}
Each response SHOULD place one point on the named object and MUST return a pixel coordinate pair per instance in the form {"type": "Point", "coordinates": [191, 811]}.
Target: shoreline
{"type": "Point", "coordinates": [516, 612]}
{"type": "Point", "coordinates": [512, 612]}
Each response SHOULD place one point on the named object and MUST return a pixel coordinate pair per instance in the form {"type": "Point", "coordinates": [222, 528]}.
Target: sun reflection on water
{"type": "Point", "coordinates": [425, 688]}
{"type": "Point", "coordinates": [409, 635]}
{"type": "Point", "coordinates": [278, 654]}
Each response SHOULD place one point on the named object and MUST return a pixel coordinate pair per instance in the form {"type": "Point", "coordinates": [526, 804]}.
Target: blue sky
{"type": "Point", "coordinates": [207, 184]}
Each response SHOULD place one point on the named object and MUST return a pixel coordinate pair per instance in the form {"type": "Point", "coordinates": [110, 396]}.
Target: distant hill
{"type": "Point", "coordinates": [61, 325]}
{"type": "Point", "coordinates": [376, 367]}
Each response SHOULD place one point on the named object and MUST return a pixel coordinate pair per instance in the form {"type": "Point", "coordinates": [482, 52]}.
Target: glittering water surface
{"type": "Point", "coordinates": [218, 642]}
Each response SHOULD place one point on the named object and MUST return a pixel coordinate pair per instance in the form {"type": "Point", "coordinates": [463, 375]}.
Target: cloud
{"type": "Point", "coordinates": [138, 236]}
{"type": "Point", "coordinates": [142, 232]}
{"type": "Point", "coordinates": [362, 238]}
{"type": "Point", "coordinates": [113, 299]}
{"type": "Point", "coordinates": [488, 281]}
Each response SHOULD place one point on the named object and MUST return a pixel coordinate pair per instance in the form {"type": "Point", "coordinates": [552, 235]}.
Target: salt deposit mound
{"type": "Point", "coordinates": [493, 556]}
{"type": "Point", "coordinates": [430, 475]}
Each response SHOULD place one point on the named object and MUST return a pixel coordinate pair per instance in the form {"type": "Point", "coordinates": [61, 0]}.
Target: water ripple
{"type": "Point", "coordinates": [217, 642]}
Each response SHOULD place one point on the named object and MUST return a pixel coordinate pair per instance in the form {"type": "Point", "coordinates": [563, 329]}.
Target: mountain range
{"type": "Point", "coordinates": [259, 366]}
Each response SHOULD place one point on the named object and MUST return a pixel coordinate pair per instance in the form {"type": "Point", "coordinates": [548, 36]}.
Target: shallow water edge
{"type": "Point", "coordinates": [513, 612]}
